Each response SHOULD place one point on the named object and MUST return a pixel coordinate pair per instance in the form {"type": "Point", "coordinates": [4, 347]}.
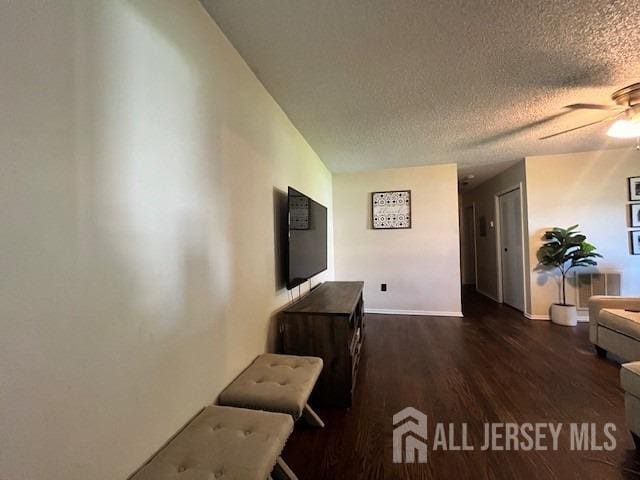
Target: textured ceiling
{"type": "Point", "coordinates": [378, 84]}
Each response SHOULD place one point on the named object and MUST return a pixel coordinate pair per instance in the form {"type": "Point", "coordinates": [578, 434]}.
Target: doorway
{"type": "Point", "coordinates": [511, 251]}
{"type": "Point", "coordinates": [468, 241]}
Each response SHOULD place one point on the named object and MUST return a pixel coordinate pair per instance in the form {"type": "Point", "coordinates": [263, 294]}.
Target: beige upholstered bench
{"type": "Point", "coordinates": [630, 382]}
{"type": "Point", "coordinates": [224, 443]}
{"type": "Point", "coordinates": [276, 383]}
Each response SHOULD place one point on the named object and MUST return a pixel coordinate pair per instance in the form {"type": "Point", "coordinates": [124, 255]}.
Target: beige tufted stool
{"type": "Point", "coordinates": [276, 383]}
{"type": "Point", "coordinates": [630, 382]}
{"type": "Point", "coordinates": [224, 443]}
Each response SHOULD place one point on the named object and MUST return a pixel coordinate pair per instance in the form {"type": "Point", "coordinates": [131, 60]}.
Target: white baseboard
{"type": "Point", "coordinates": [427, 313]}
{"type": "Point", "coordinates": [531, 316]}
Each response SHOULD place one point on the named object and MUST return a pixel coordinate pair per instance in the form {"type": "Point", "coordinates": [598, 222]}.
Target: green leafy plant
{"type": "Point", "coordinates": [566, 249]}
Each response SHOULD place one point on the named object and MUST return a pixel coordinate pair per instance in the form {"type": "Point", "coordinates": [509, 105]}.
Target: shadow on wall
{"type": "Point", "coordinates": [239, 217]}
{"type": "Point", "coordinates": [155, 256]}
{"type": "Point", "coordinates": [280, 230]}
{"type": "Point", "coordinates": [545, 274]}
{"type": "Point", "coordinates": [274, 342]}
{"type": "Point", "coordinates": [119, 267]}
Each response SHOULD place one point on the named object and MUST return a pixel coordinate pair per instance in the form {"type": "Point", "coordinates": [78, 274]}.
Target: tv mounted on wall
{"type": "Point", "coordinates": [306, 252]}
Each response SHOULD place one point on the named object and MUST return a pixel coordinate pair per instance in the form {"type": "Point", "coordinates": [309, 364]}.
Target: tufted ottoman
{"type": "Point", "coordinates": [224, 443]}
{"type": "Point", "coordinates": [276, 383]}
{"type": "Point", "coordinates": [630, 382]}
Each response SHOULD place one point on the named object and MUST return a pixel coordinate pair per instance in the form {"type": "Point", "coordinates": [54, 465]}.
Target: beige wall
{"type": "Point", "coordinates": [139, 161]}
{"type": "Point", "coordinates": [483, 197]}
{"type": "Point", "coordinates": [590, 189]}
{"type": "Point", "coordinates": [421, 265]}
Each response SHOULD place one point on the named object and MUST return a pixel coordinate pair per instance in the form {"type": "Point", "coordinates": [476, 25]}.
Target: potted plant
{"type": "Point", "coordinates": [566, 249]}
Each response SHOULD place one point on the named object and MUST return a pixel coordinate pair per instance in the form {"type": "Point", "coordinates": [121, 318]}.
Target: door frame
{"type": "Point", "coordinates": [472, 205]}
{"type": "Point", "coordinates": [497, 196]}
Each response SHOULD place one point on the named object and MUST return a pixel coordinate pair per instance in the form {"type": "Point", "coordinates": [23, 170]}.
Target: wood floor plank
{"type": "Point", "coordinates": [493, 365]}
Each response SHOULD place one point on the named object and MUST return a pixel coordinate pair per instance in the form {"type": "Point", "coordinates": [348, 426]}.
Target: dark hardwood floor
{"type": "Point", "coordinates": [494, 365]}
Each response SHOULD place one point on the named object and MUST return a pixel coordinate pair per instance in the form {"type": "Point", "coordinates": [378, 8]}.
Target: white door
{"type": "Point", "coordinates": [511, 249]}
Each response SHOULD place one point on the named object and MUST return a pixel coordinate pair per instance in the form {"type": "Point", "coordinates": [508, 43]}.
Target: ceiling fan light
{"type": "Point", "coordinates": [624, 129]}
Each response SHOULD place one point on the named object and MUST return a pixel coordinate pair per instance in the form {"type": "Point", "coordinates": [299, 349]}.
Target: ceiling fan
{"type": "Point", "coordinates": [626, 119]}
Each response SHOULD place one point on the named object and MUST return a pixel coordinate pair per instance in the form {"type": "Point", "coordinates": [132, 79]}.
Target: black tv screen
{"type": "Point", "coordinates": [307, 238]}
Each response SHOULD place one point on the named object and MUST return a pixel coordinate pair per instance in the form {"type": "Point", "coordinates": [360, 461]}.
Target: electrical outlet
{"type": "Point", "coordinates": [383, 287]}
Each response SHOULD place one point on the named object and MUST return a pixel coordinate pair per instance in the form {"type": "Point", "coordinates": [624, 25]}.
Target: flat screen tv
{"type": "Point", "coordinates": [306, 253]}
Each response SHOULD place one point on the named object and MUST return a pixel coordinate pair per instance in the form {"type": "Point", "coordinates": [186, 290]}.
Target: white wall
{"type": "Point", "coordinates": [421, 265]}
{"type": "Point", "coordinates": [589, 189]}
{"type": "Point", "coordinates": [139, 161]}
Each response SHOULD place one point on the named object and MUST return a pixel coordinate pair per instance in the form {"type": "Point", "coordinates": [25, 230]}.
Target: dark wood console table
{"type": "Point", "coordinates": [328, 323]}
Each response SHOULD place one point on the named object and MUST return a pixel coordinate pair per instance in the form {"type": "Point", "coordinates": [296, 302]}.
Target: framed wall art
{"type": "Point", "coordinates": [635, 242]}
{"type": "Point", "coordinates": [634, 215]}
{"type": "Point", "coordinates": [391, 210]}
{"type": "Point", "coordinates": [634, 189]}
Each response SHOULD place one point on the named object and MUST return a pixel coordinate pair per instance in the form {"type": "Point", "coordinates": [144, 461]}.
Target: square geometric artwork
{"type": "Point", "coordinates": [391, 209]}
{"type": "Point", "coordinates": [299, 213]}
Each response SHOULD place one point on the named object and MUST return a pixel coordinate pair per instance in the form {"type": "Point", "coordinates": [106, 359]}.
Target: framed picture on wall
{"type": "Point", "coordinates": [634, 210]}
{"type": "Point", "coordinates": [391, 210]}
{"type": "Point", "coordinates": [635, 242]}
{"type": "Point", "coordinates": [634, 189]}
